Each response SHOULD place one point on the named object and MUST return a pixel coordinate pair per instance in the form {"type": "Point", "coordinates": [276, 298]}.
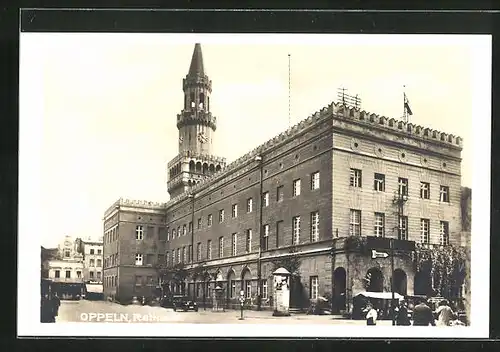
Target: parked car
{"type": "Point", "coordinates": [184, 303]}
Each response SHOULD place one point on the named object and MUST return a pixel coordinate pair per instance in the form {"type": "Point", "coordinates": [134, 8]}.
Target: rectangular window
{"type": "Point", "coordinates": [162, 235]}
{"type": "Point", "coordinates": [248, 289]}
{"type": "Point", "coordinates": [403, 228]}
{"type": "Point", "coordinates": [403, 186]}
{"type": "Point", "coordinates": [249, 205]}
{"type": "Point", "coordinates": [98, 275]}
{"type": "Point", "coordinates": [314, 287]}
{"type": "Point", "coordinates": [248, 245]}
{"type": "Point", "coordinates": [355, 178]}
{"type": "Point", "coordinates": [379, 225]}
{"type": "Point", "coordinates": [265, 239]}
{"type": "Point", "coordinates": [315, 180]}
{"type": "Point", "coordinates": [150, 232]}
{"type": "Point", "coordinates": [221, 215]}
{"type": "Point", "coordinates": [99, 263]}
{"type": "Point", "coordinates": [190, 226]}
{"type": "Point", "coordinates": [139, 232]}
{"type": "Point", "coordinates": [424, 230]}
{"type": "Point", "coordinates": [173, 256]}
{"type": "Point", "coordinates": [209, 220]}
{"type": "Point", "coordinates": [280, 193]}
{"type": "Point", "coordinates": [178, 255]}
{"type": "Point", "coordinates": [91, 273]}
{"type": "Point", "coordinates": [265, 199]}
{"type": "Point", "coordinates": [57, 274]}
{"type": "Point", "coordinates": [233, 288]}
{"type": "Point", "coordinates": [444, 194]}
{"type": "Point", "coordinates": [138, 280]}
{"type": "Point", "coordinates": [173, 233]}
{"type": "Point", "coordinates": [296, 230]}
{"type": "Point", "coordinates": [68, 274]}
{"type": "Point", "coordinates": [264, 289]}
{"type": "Point", "coordinates": [67, 253]}
{"type": "Point", "coordinates": [355, 223]}
{"type": "Point", "coordinates": [296, 188]}
{"type": "Point", "coordinates": [79, 274]}
{"type": "Point", "coordinates": [198, 251]}
{"type": "Point", "coordinates": [166, 259]}
{"type": "Point", "coordinates": [379, 182]}
{"type": "Point", "coordinates": [92, 251]}
{"type": "Point", "coordinates": [184, 255]}
{"type": "Point", "coordinates": [184, 230]}
{"type": "Point", "coordinates": [92, 262]}
{"type": "Point", "coordinates": [235, 211]}
{"type": "Point", "coordinates": [161, 258]}
{"type": "Point", "coordinates": [199, 223]}
{"type": "Point", "coordinates": [315, 226]}
{"type": "Point", "coordinates": [209, 249]}
{"type": "Point", "coordinates": [279, 233]}
{"type": "Point", "coordinates": [138, 259]}
{"type": "Point", "coordinates": [234, 238]}
{"type": "Point", "coordinates": [221, 247]}
{"type": "Point", "coordinates": [444, 234]}
{"type": "Point", "coordinates": [425, 190]}
{"type": "Point", "coordinates": [179, 233]}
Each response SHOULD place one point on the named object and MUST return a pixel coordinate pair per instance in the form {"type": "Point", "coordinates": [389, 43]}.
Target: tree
{"type": "Point", "coordinates": [171, 274]}
{"type": "Point", "coordinates": [446, 266]}
{"type": "Point", "coordinates": [290, 262]}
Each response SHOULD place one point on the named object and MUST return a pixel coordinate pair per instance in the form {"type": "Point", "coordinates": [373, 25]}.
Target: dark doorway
{"type": "Point", "coordinates": [422, 284]}
{"type": "Point", "coordinates": [376, 283]}
{"type": "Point", "coordinates": [400, 282]}
{"type": "Point", "coordinates": [339, 290]}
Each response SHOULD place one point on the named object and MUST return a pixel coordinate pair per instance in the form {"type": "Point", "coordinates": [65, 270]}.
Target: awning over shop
{"type": "Point", "coordinates": [94, 288]}
{"type": "Point", "coordinates": [380, 295]}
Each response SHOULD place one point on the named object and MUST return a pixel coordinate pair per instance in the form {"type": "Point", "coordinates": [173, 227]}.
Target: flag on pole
{"type": "Point", "coordinates": [407, 105]}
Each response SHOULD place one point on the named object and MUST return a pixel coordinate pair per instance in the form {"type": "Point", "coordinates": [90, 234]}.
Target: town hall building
{"type": "Point", "coordinates": [316, 192]}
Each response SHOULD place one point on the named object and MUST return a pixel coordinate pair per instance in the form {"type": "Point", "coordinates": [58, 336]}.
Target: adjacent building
{"type": "Point", "coordinates": [317, 191]}
{"type": "Point", "coordinates": [65, 270]}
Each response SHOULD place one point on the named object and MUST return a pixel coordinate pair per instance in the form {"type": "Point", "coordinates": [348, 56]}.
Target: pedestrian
{"type": "Point", "coordinates": [444, 313]}
{"type": "Point", "coordinates": [402, 318]}
{"type": "Point", "coordinates": [371, 314]}
{"type": "Point", "coordinates": [423, 315]}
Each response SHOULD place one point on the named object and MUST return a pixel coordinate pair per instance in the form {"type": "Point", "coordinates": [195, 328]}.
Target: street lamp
{"type": "Point", "coordinates": [192, 196]}
{"type": "Point", "coordinates": [400, 198]}
{"type": "Point", "coordinates": [258, 159]}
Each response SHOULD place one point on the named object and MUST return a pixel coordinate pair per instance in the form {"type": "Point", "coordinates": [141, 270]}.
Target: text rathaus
{"type": "Point", "coordinates": [316, 192]}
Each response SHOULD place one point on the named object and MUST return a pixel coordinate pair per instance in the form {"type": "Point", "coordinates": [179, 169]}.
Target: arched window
{"type": "Point", "coordinates": [202, 101]}
{"type": "Point", "coordinates": [376, 280]}
{"type": "Point", "coordinates": [193, 104]}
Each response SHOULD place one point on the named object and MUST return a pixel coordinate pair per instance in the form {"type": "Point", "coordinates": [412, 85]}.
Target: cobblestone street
{"type": "Point", "coordinates": [102, 311]}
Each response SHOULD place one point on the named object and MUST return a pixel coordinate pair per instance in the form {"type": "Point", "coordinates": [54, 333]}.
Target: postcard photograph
{"type": "Point", "coordinates": [254, 185]}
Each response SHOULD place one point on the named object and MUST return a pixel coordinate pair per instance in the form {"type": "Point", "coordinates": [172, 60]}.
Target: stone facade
{"type": "Point", "coordinates": [320, 151]}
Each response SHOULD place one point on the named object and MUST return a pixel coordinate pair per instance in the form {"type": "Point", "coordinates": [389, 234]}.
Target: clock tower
{"type": "Point", "coordinates": [196, 126]}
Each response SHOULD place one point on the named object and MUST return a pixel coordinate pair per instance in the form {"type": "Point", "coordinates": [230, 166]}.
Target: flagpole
{"type": "Point", "coordinates": [405, 118]}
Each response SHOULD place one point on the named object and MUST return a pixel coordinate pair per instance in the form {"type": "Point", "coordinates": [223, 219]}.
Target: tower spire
{"type": "Point", "coordinates": [196, 67]}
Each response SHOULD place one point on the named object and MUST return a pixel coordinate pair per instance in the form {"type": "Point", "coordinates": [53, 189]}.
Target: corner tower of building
{"type": "Point", "coordinates": [196, 124]}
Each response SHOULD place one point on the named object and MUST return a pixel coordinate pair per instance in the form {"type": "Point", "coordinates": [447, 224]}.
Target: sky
{"type": "Point", "coordinates": [98, 111]}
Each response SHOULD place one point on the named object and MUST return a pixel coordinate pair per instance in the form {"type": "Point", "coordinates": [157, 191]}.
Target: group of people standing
{"type": "Point", "coordinates": [49, 308]}
{"type": "Point", "coordinates": [422, 314]}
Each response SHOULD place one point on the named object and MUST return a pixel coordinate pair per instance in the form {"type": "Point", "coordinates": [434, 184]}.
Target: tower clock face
{"type": "Point", "coordinates": [202, 137]}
